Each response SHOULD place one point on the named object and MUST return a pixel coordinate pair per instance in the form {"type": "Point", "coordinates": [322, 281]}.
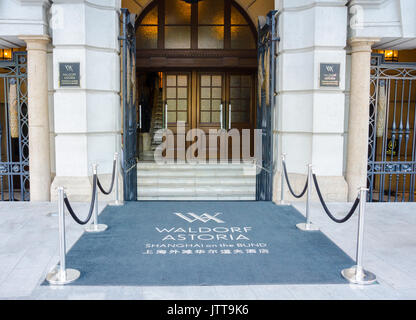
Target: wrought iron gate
{"type": "Point", "coordinates": [267, 43]}
{"type": "Point", "coordinates": [392, 135]}
{"type": "Point", "coordinates": [14, 132]}
{"type": "Point", "coordinates": [129, 159]}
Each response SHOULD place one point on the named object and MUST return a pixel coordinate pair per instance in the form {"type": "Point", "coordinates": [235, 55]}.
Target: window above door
{"type": "Point", "coordinates": [205, 25]}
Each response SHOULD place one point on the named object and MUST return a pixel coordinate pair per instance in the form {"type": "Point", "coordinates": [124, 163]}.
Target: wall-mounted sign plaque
{"type": "Point", "coordinates": [69, 74]}
{"type": "Point", "coordinates": [329, 74]}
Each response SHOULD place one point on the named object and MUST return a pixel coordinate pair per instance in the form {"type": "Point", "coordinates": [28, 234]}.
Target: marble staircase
{"type": "Point", "coordinates": [156, 124]}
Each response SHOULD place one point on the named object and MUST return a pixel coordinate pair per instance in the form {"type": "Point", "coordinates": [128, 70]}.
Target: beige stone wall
{"type": "Point", "coordinates": [254, 8]}
{"type": "Point", "coordinates": [332, 188]}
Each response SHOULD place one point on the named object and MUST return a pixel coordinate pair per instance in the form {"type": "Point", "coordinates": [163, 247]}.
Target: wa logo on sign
{"type": "Point", "coordinates": [69, 68]}
{"type": "Point", "coordinates": [330, 69]}
{"type": "Point", "coordinates": [205, 217]}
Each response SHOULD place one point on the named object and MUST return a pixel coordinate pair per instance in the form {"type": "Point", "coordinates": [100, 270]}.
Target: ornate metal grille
{"type": "Point", "coordinates": [392, 135]}
{"type": "Point", "coordinates": [268, 37]}
{"type": "Point", "coordinates": [129, 160]}
{"type": "Point", "coordinates": [14, 131]}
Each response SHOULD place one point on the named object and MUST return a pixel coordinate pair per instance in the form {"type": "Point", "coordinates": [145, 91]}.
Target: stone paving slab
{"type": "Point", "coordinates": [389, 241]}
{"type": "Point", "coordinates": [29, 249]}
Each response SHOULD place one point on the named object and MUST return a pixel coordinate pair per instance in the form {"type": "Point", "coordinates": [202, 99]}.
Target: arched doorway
{"type": "Point", "coordinates": [196, 64]}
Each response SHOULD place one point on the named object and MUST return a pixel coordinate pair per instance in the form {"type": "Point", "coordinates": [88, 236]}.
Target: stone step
{"type": "Point", "coordinates": [200, 181]}
{"type": "Point", "coordinates": [194, 173]}
{"type": "Point", "coordinates": [173, 175]}
{"type": "Point", "coordinates": [190, 191]}
{"type": "Point", "coordinates": [148, 166]}
{"type": "Point", "coordinates": [196, 198]}
{"type": "Point", "coordinates": [147, 155]}
{"type": "Point", "coordinates": [196, 166]}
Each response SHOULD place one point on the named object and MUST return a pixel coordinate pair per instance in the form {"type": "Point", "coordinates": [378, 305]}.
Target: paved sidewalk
{"type": "Point", "coordinates": [29, 249]}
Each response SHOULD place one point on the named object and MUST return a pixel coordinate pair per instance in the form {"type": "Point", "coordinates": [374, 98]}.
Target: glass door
{"type": "Point", "coordinates": [177, 111]}
{"type": "Point", "coordinates": [211, 107]}
{"type": "Point", "coordinates": [210, 100]}
{"type": "Point", "coordinates": [240, 109]}
{"type": "Point", "coordinates": [225, 101]}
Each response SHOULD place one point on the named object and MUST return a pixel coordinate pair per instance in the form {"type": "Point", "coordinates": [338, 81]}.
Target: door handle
{"type": "Point", "coordinates": [229, 116]}
{"type": "Point", "coordinates": [140, 116]}
{"type": "Point", "coordinates": [221, 116]}
{"type": "Point", "coordinates": [166, 115]}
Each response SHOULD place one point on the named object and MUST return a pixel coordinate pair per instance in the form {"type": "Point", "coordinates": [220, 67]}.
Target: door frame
{"type": "Point", "coordinates": [130, 136]}
{"type": "Point", "coordinates": [266, 103]}
{"type": "Point", "coordinates": [197, 76]}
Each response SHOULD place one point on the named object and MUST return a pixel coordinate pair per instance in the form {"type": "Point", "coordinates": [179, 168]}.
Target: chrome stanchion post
{"type": "Point", "coordinates": [117, 201]}
{"type": "Point", "coordinates": [95, 226]}
{"type": "Point", "coordinates": [62, 275]}
{"type": "Point", "coordinates": [308, 226]}
{"type": "Point", "coordinates": [357, 274]}
{"type": "Point", "coordinates": [282, 182]}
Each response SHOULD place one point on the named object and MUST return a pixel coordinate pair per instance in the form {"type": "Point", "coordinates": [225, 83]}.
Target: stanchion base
{"type": "Point", "coordinates": [96, 227]}
{"type": "Point", "coordinates": [116, 203]}
{"type": "Point", "coordinates": [283, 203]}
{"type": "Point", "coordinates": [54, 277]}
{"type": "Point", "coordinates": [307, 227]}
{"type": "Point", "coordinates": [366, 277]}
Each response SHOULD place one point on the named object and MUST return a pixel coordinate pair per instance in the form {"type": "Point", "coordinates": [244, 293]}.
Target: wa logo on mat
{"type": "Point", "coordinates": [205, 217]}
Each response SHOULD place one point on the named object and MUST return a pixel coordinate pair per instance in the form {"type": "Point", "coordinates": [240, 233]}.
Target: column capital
{"type": "Point", "coordinates": [362, 44]}
{"type": "Point", "coordinates": [36, 42]}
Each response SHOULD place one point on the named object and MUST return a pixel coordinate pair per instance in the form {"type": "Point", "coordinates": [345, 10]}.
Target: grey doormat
{"type": "Point", "coordinates": [205, 243]}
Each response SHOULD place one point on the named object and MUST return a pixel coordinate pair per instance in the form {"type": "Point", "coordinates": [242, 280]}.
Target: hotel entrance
{"type": "Point", "coordinates": [195, 72]}
{"type": "Point", "coordinates": [196, 65]}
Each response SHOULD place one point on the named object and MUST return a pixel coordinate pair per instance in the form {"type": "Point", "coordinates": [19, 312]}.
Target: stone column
{"type": "Point", "coordinates": [309, 122]}
{"type": "Point", "coordinates": [357, 149]}
{"type": "Point", "coordinates": [87, 117]}
{"type": "Point", "coordinates": [39, 145]}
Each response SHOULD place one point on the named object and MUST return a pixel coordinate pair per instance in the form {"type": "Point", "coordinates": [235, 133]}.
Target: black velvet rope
{"type": "Point", "coordinates": [347, 217]}
{"type": "Point", "coordinates": [112, 180]}
{"type": "Point", "coordinates": [290, 187]}
{"type": "Point", "coordinates": [71, 211]}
